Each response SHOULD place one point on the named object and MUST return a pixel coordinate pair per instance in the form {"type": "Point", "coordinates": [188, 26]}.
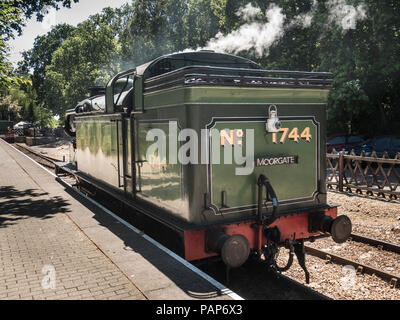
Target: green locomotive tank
{"type": "Point", "coordinates": [229, 157]}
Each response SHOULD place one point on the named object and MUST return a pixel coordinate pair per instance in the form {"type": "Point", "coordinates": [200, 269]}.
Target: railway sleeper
{"type": "Point", "coordinates": [393, 280]}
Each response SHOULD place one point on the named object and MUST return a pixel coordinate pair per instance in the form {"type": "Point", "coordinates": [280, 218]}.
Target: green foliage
{"type": "Point", "coordinates": [202, 21]}
{"type": "Point", "coordinates": [83, 60]}
{"type": "Point", "coordinates": [40, 56]}
{"type": "Point", "coordinates": [43, 117]}
{"type": "Point", "coordinates": [12, 14]}
{"type": "Point", "coordinates": [38, 7]}
{"type": "Point", "coordinates": [366, 67]}
{"type": "Point", "coordinates": [10, 19]}
{"type": "Point", "coordinates": [366, 94]}
{"type": "Point", "coordinates": [13, 103]}
{"type": "Point", "coordinates": [153, 28]}
{"type": "Point", "coordinates": [9, 109]}
{"type": "Point", "coordinates": [18, 104]}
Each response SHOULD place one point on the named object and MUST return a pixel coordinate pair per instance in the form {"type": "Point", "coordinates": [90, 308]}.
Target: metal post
{"type": "Point", "coordinates": [341, 170]}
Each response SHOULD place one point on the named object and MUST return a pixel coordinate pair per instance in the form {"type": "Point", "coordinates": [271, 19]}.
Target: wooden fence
{"type": "Point", "coordinates": [364, 175]}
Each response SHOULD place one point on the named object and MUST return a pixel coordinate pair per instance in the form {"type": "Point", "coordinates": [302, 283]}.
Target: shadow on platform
{"type": "Point", "coordinates": [24, 204]}
{"type": "Point", "coordinates": [176, 272]}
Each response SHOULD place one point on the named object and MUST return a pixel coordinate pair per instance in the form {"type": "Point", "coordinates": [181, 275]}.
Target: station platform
{"type": "Point", "coordinates": [56, 244]}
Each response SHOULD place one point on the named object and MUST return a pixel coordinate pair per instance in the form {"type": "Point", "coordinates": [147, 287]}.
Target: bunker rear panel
{"type": "Point", "coordinates": [293, 159]}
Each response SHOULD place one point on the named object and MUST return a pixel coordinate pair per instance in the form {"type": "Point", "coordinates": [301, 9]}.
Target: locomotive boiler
{"type": "Point", "coordinates": [217, 155]}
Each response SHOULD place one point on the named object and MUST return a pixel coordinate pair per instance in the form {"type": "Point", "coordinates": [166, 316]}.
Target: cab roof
{"type": "Point", "coordinates": [174, 61]}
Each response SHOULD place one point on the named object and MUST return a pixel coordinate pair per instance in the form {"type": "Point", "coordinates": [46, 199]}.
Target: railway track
{"type": "Point", "coordinates": [43, 160]}
{"type": "Point", "coordinates": [40, 158]}
{"type": "Point", "coordinates": [252, 281]}
{"type": "Point", "coordinates": [383, 245]}
{"type": "Point", "coordinates": [392, 279]}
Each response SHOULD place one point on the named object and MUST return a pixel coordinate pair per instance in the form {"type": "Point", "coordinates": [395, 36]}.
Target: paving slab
{"type": "Point", "coordinates": [48, 231]}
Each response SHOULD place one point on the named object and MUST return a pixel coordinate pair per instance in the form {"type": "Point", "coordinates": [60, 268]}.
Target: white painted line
{"type": "Point", "coordinates": [38, 164]}
{"type": "Point", "coordinates": [215, 283]}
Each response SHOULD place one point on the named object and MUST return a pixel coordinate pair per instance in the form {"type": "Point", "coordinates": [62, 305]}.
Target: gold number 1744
{"type": "Point", "coordinates": [293, 135]}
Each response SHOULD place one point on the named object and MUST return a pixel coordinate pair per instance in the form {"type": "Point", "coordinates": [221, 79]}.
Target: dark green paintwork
{"type": "Point", "coordinates": [97, 147]}
{"type": "Point", "coordinates": [290, 181]}
{"type": "Point", "coordinates": [159, 180]}
{"type": "Point", "coordinates": [185, 191]}
{"type": "Point", "coordinates": [229, 95]}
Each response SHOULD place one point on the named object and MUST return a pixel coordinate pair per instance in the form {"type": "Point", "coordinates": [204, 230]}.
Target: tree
{"type": "Point", "coordinates": [43, 116]}
{"type": "Point", "coordinates": [9, 109]}
{"type": "Point", "coordinates": [40, 56]}
{"type": "Point", "coordinates": [202, 22]}
{"type": "Point", "coordinates": [30, 7]}
{"type": "Point", "coordinates": [88, 57]}
{"type": "Point", "coordinates": [150, 31]}
{"type": "Point", "coordinates": [10, 19]}
{"type": "Point", "coordinates": [366, 67]}
{"type": "Point", "coordinates": [362, 55]}
{"type": "Point", "coordinates": [30, 113]}
{"type": "Point", "coordinates": [12, 14]}
{"type": "Point", "coordinates": [13, 103]}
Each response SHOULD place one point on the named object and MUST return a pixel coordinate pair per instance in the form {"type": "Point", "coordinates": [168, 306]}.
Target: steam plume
{"type": "Point", "coordinates": [254, 35]}
{"type": "Point", "coordinates": [304, 20]}
{"type": "Point", "coordinates": [344, 15]}
{"type": "Point", "coordinates": [248, 12]}
{"type": "Point", "coordinates": [260, 36]}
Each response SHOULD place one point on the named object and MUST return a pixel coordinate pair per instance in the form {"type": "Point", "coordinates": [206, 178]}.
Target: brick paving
{"type": "Point", "coordinates": [39, 242]}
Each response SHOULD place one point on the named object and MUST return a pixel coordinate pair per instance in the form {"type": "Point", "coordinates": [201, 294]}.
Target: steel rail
{"type": "Point", "coordinates": [387, 246]}
{"type": "Point", "coordinates": [393, 280]}
{"type": "Point", "coordinates": [43, 157]}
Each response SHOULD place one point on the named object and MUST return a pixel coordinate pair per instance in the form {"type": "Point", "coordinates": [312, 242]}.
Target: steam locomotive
{"type": "Point", "coordinates": [219, 156]}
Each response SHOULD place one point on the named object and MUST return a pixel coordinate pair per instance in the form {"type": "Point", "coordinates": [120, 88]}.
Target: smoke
{"type": "Point", "coordinates": [248, 12]}
{"type": "Point", "coordinates": [304, 20]}
{"type": "Point", "coordinates": [259, 36]}
{"type": "Point", "coordinates": [254, 35]}
{"type": "Point", "coordinates": [344, 15]}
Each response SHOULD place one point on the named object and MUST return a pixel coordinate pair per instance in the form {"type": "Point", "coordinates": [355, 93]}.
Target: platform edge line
{"type": "Point", "coordinates": [215, 283]}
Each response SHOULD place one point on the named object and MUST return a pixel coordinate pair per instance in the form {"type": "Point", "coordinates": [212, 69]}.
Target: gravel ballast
{"type": "Point", "coordinates": [374, 218]}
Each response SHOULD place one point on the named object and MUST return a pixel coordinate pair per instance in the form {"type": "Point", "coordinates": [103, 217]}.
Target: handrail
{"type": "Point", "coordinates": [201, 79]}
{"type": "Point", "coordinates": [198, 76]}
{"type": "Point", "coordinates": [206, 75]}
{"type": "Point", "coordinates": [327, 75]}
{"type": "Point", "coordinates": [110, 104]}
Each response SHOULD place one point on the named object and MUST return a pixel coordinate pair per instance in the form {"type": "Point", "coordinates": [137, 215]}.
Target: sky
{"type": "Point", "coordinates": [77, 13]}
